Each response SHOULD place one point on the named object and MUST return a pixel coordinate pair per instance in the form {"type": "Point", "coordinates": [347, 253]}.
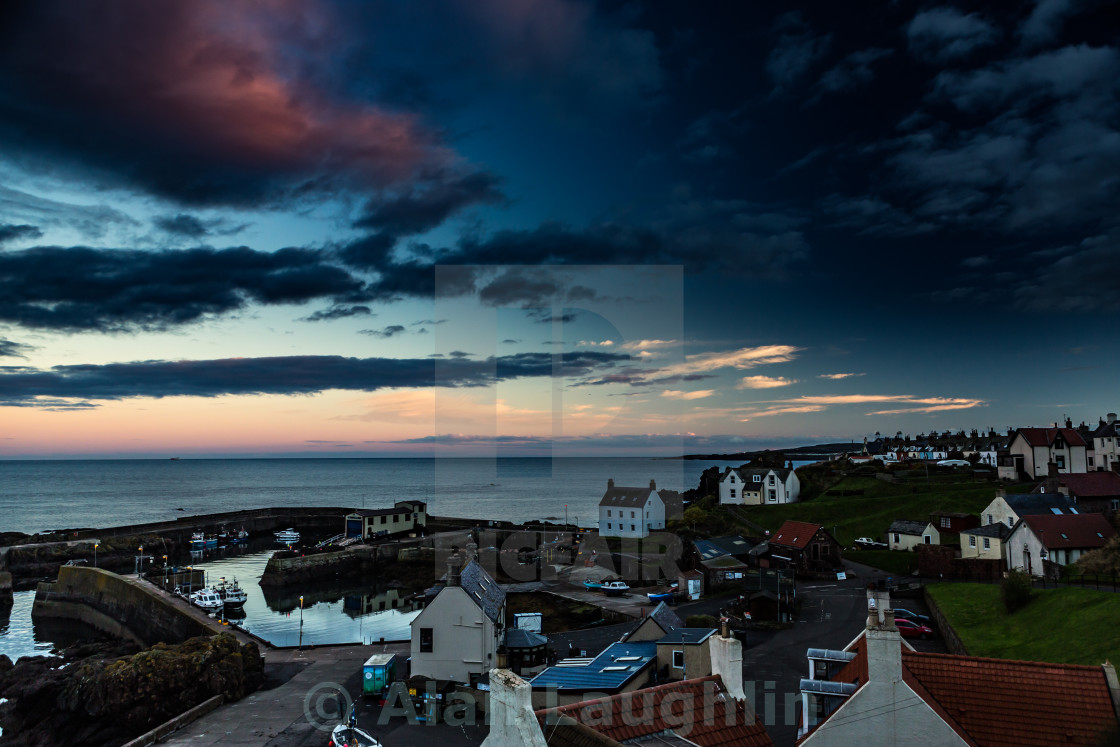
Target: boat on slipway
{"type": "Point", "coordinates": [287, 536]}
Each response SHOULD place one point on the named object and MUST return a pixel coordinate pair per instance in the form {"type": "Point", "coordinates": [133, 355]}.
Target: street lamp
{"type": "Point", "coordinates": [301, 623]}
{"type": "Point", "coordinates": [95, 546]}
{"type": "Point", "coordinates": [165, 573]}
{"type": "Point", "coordinates": [140, 573]}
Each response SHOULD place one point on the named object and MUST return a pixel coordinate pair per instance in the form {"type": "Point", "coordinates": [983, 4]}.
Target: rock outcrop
{"type": "Point", "coordinates": [107, 698]}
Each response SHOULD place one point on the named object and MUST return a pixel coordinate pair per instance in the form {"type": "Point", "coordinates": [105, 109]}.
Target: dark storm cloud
{"type": "Point", "coordinates": [337, 312]}
{"type": "Point", "coordinates": [1045, 21]}
{"type": "Point", "coordinates": [288, 375]}
{"type": "Point", "coordinates": [795, 52]}
{"type": "Point", "coordinates": [12, 349]}
{"type": "Point", "coordinates": [853, 71]}
{"type": "Point", "coordinates": [390, 331]}
{"type": "Point", "coordinates": [193, 227]}
{"type": "Point", "coordinates": [420, 209]}
{"type": "Point", "coordinates": [12, 232]}
{"type": "Point", "coordinates": [203, 102]}
{"type": "Point", "coordinates": [80, 288]}
{"type": "Point", "coordinates": [943, 34]}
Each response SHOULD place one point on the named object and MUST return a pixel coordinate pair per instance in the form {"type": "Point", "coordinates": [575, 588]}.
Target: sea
{"type": "Point", "coordinates": [37, 496]}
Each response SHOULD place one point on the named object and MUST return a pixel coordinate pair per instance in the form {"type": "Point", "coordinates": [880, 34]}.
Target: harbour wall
{"type": "Point", "coordinates": [5, 587]}
{"type": "Point", "coordinates": [115, 605]}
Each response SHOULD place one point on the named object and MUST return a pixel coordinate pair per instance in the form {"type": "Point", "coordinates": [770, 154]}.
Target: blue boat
{"type": "Point", "coordinates": [592, 585]}
{"type": "Point", "coordinates": [200, 541]}
{"type": "Point", "coordinates": [665, 596]}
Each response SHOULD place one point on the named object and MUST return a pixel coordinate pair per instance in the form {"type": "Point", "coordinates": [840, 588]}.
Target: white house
{"type": "Point", "coordinates": [906, 535]}
{"type": "Point", "coordinates": [1040, 446]}
{"type": "Point", "coordinates": [759, 486]}
{"type": "Point", "coordinates": [457, 635]}
{"type": "Point", "coordinates": [1008, 509]}
{"type": "Point", "coordinates": [1106, 445]}
{"type": "Point", "coordinates": [631, 512]}
{"type": "Point", "coordinates": [1061, 539]}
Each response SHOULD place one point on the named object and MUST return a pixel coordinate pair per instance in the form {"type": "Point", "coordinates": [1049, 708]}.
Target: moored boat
{"type": "Point", "coordinates": [233, 596]}
{"type": "Point", "coordinates": [199, 541]}
{"type": "Point", "coordinates": [287, 536]}
{"type": "Point", "coordinates": [208, 600]}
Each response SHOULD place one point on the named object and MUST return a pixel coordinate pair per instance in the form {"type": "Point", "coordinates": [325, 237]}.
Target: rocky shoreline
{"type": "Point", "coordinates": [108, 693]}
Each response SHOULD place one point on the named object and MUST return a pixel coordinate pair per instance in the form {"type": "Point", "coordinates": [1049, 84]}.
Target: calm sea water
{"type": "Point", "coordinates": [40, 495]}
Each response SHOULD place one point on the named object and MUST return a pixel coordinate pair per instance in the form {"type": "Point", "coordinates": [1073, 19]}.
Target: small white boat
{"type": "Point", "coordinates": [208, 600]}
{"type": "Point", "coordinates": [287, 536]}
{"type": "Point", "coordinates": [615, 588]}
{"type": "Point", "coordinates": [347, 734]}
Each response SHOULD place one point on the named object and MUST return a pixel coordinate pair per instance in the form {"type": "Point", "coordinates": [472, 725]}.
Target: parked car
{"type": "Point", "coordinates": [910, 629]}
{"type": "Point", "coordinates": [902, 614]}
{"type": "Point", "coordinates": [953, 463]}
{"type": "Point", "coordinates": [866, 543]}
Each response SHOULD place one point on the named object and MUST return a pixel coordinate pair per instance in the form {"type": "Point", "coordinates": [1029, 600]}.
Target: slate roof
{"type": "Point", "coordinates": [906, 526]}
{"type": "Point", "coordinates": [691, 636]}
{"type": "Point", "coordinates": [795, 534]}
{"type": "Point", "coordinates": [591, 676]}
{"type": "Point", "coordinates": [623, 718]}
{"type": "Point", "coordinates": [626, 497]}
{"type": "Point", "coordinates": [997, 701]}
{"type": "Point", "coordinates": [665, 618]}
{"type": "Point", "coordinates": [719, 546]}
{"type": "Point", "coordinates": [518, 638]}
{"type": "Point", "coordinates": [1071, 532]}
{"type": "Point", "coordinates": [1107, 430]}
{"type": "Point", "coordinates": [745, 475]}
{"type": "Point", "coordinates": [1046, 436]}
{"type": "Point", "coordinates": [1038, 504]}
{"type": "Point", "coordinates": [1091, 484]}
{"type": "Point", "coordinates": [999, 529]}
{"type": "Point", "coordinates": [482, 590]}
{"type": "Point", "coordinates": [723, 562]}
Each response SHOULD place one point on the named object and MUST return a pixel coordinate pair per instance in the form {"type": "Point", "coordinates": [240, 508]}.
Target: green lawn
{"type": "Point", "coordinates": [869, 515]}
{"type": "Point", "coordinates": [898, 562]}
{"type": "Point", "coordinates": [1068, 625]}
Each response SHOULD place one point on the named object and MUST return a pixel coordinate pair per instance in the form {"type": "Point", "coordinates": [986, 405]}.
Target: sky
{"type": "Point", "coordinates": [551, 227]}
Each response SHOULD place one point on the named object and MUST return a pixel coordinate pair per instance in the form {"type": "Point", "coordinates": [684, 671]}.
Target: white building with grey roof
{"type": "Point", "coordinates": [631, 512]}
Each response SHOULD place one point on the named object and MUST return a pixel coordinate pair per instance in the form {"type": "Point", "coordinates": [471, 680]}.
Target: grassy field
{"type": "Point", "coordinates": [1068, 625]}
{"type": "Point", "coordinates": [869, 514]}
{"type": "Point", "coordinates": [893, 561]}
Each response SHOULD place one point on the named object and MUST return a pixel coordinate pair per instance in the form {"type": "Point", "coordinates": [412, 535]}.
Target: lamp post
{"type": "Point", "coordinates": [140, 571]}
{"type": "Point", "coordinates": [95, 546]}
{"type": "Point", "coordinates": [301, 623]}
{"type": "Point", "coordinates": [165, 573]}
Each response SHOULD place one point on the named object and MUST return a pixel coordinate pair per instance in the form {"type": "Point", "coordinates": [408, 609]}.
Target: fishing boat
{"type": "Point", "coordinates": [661, 596]}
{"type": "Point", "coordinates": [208, 600]}
{"type": "Point", "coordinates": [233, 596]}
{"type": "Point", "coordinates": [347, 734]}
{"type": "Point", "coordinates": [592, 585]}
{"type": "Point", "coordinates": [238, 538]}
{"type": "Point", "coordinates": [615, 588]}
{"type": "Point", "coordinates": [287, 536]}
{"type": "Point", "coordinates": [199, 541]}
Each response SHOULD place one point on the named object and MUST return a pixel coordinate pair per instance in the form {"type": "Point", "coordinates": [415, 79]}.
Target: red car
{"type": "Point", "coordinates": [912, 629]}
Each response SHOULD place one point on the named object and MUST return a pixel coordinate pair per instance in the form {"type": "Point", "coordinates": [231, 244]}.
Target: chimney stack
{"type": "Point", "coordinates": [454, 563]}
{"type": "Point", "coordinates": [1111, 418]}
{"type": "Point", "coordinates": [1052, 469]}
{"type": "Point", "coordinates": [512, 720]}
{"type": "Point", "coordinates": [610, 483]}
{"type": "Point", "coordinates": [652, 485]}
{"type": "Point", "coordinates": [727, 661]}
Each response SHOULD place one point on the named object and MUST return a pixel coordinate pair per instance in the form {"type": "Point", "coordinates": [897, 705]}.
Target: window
{"type": "Point", "coordinates": [773, 495]}
{"type": "Point", "coordinates": [425, 640]}
{"type": "Point", "coordinates": [771, 479]}
{"type": "Point", "coordinates": [631, 514]}
{"type": "Point", "coordinates": [987, 543]}
{"type": "Point", "coordinates": [608, 525]}
{"type": "Point", "coordinates": [928, 539]}
{"type": "Point", "coordinates": [1060, 460]}
{"type": "Point", "coordinates": [678, 660]}
{"type": "Point", "coordinates": [990, 519]}
{"type": "Point", "coordinates": [732, 492]}
{"type": "Point", "coordinates": [383, 519]}
{"type": "Point", "coordinates": [972, 540]}
{"type": "Point", "coordinates": [608, 513]}
{"type": "Point", "coordinates": [758, 478]}
{"type": "Point", "coordinates": [946, 522]}
{"type": "Point", "coordinates": [1011, 522]}
{"type": "Point", "coordinates": [896, 536]}
{"type": "Point", "coordinates": [1116, 504]}
{"type": "Point", "coordinates": [731, 479]}
{"type": "Point", "coordinates": [632, 528]}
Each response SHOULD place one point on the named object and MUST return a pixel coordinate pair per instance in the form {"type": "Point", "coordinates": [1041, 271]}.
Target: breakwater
{"type": "Point", "coordinates": [124, 608]}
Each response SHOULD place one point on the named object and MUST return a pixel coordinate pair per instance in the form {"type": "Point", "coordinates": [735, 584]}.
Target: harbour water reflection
{"type": "Point", "coordinates": [349, 612]}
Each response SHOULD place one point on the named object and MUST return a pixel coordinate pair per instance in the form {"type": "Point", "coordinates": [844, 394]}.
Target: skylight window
{"type": "Point", "coordinates": [1063, 535]}
{"type": "Point", "coordinates": [1056, 511]}
{"type": "Point", "coordinates": [629, 658]}
{"type": "Point", "coordinates": [614, 669]}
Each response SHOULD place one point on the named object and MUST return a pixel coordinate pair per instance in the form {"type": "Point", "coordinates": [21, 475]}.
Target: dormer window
{"type": "Point", "coordinates": [758, 478]}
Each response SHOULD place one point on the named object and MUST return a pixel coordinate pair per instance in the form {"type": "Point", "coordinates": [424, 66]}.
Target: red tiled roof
{"type": "Point", "coordinates": [1092, 484]}
{"type": "Point", "coordinates": [795, 534]}
{"type": "Point", "coordinates": [998, 702]}
{"type": "Point", "coordinates": [1045, 436]}
{"type": "Point", "coordinates": [698, 711]}
{"type": "Point", "coordinates": [1063, 531]}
